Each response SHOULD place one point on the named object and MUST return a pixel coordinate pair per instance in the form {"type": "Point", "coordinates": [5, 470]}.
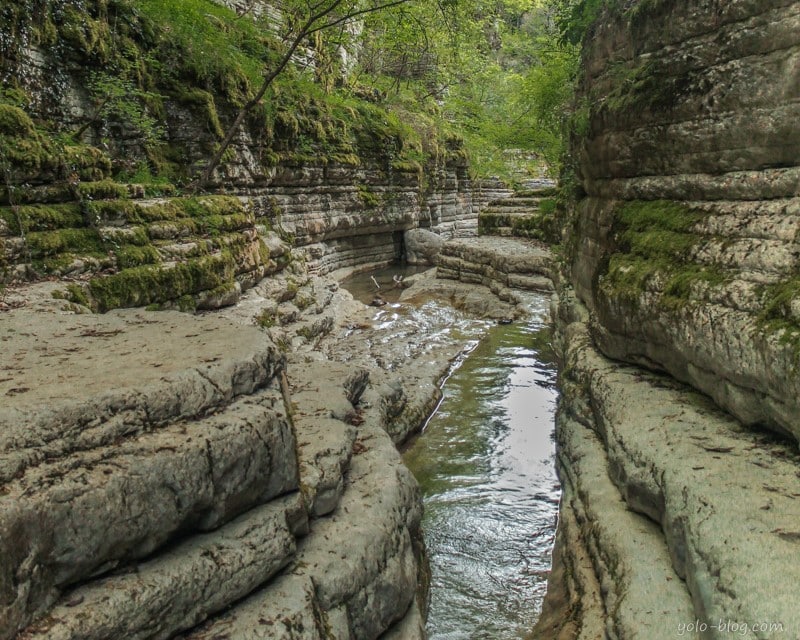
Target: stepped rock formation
{"type": "Point", "coordinates": [165, 475]}
{"type": "Point", "coordinates": [680, 508]}
{"type": "Point", "coordinates": [233, 474]}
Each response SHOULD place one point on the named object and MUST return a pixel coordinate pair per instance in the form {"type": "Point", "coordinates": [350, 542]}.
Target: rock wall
{"type": "Point", "coordinates": [686, 244]}
{"type": "Point", "coordinates": [681, 277]}
{"type": "Point", "coordinates": [339, 179]}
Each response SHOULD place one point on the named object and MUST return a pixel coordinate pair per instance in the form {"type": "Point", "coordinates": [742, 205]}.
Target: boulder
{"type": "Point", "coordinates": [422, 246]}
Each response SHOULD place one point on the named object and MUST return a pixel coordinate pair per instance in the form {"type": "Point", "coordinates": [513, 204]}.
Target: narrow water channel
{"type": "Point", "coordinates": [486, 466]}
{"type": "Point", "coordinates": [485, 462]}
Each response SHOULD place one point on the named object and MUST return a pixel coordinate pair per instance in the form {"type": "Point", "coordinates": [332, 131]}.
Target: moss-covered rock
{"type": "Point", "coordinates": [144, 285]}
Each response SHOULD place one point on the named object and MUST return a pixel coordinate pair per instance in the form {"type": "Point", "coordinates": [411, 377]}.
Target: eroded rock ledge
{"type": "Point", "coordinates": [159, 468]}
{"type": "Point", "coordinates": [672, 510]}
{"type": "Point", "coordinates": [678, 421]}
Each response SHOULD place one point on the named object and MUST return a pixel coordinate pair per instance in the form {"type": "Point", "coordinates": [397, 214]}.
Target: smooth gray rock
{"type": "Point", "coordinates": [422, 246]}
{"type": "Point", "coordinates": [725, 497]}
{"type": "Point", "coordinates": [356, 572]}
{"type": "Point", "coordinates": [80, 516]}
{"type": "Point", "coordinates": [183, 586]}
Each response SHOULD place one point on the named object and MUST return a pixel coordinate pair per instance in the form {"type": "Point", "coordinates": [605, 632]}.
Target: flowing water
{"type": "Point", "coordinates": [485, 462]}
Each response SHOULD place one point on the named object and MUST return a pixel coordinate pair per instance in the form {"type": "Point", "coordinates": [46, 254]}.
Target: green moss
{"type": "Point", "coordinates": [85, 242]}
{"type": "Point", "coordinates": [650, 86]}
{"type": "Point", "coordinates": [654, 239]}
{"type": "Point", "coordinates": [536, 227]}
{"type": "Point", "coordinates": [266, 319]}
{"type": "Point", "coordinates": [77, 294]}
{"type": "Point", "coordinates": [15, 122]}
{"type": "Point", "coordinates": [778, 298]}
{"type": "Point", "coordinates": [83, 34]}
{"type": "Point", "coordinates": [657, 242]}
{"type": "Point", "coordinates": [347, 159]}
{"type": "Point", "coordinates": [103, 189]}
{"type": "Point", "coordinates": [145, 285]}
{"type": "Point", "coordinates": [134, 256]}
{"type": "Point", "coordinates": [368, 198]}
{"type": "Point", "coordinates": [407, 166]}
{"type": "Point", "coordinates": [41, 217]}
{"type": "Point", "coordinates": [27, 194]}
{"type": "Point", "coordinates": [186, 303]}
{"type": "Point", "coordinates": [646, 215]}
{"type": "Point", "coordinates": [220, 212]}
{"type": "Point", "coordinates": [203, 99]}
{"type": "Point", "coordinates": [548, 206]}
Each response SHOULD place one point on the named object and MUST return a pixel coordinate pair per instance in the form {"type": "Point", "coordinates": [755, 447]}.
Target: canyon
{"type": "Point", "coordinates": [199, 430]}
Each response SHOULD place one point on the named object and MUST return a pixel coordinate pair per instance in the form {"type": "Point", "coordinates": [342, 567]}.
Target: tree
{"type": "Point", "coordinates": [304, 18]}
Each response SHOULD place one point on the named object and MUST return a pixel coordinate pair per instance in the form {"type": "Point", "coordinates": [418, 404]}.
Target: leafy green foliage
{"type": "Point", "coordinates": [495, 71]}
{"type": "Point", "coordinates": [575, 17]}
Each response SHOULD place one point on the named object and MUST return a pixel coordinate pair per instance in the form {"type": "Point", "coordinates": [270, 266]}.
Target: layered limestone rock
{"type": "Point", "coordinates": [673, 511]}
{"type": "Point", "coordinates": [339, 183]}
{"type": "Point", "coordinates": [525, 214]}
{"type": "Point", "coordinates": [679, 341]}
{"type": "Point", "coordinates": [685, 248]}
{"type": "Point", "coordinates": [160, 468]}
{"type": "Point", "coordinates": [502, 264]}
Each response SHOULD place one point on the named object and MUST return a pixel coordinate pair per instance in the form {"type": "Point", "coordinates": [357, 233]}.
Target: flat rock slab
{"type": "Point", "coordinates": [119, 432]}
{"type": "Point", "coordinates": [510, 255]}
{"type": "Point", "coordinates": [181, 587]}
{"type": "Point", "coordinates": [355, 575]}
{"type": "Point", "coordinates": [502, 264]}
{"type": "Point", "coordinates": [50, 358]}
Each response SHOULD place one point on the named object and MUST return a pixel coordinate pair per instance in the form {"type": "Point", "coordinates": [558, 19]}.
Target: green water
{"type": "Point", "coordinates": [485, 463]}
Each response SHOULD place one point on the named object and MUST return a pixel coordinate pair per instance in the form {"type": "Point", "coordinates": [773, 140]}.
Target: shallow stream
{"type": "Point", "coordinates": [485, 462]}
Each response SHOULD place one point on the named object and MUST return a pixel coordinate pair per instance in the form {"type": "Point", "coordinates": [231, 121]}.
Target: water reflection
{"type": "Point", "coordinates": [486, 467]}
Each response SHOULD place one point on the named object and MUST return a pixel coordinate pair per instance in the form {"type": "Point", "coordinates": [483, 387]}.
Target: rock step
{"type": "Point", "coordinates": [500, 212]}
{"type": "Point", "coordinates": [323, 395]}
{"type": "Point", "coordinates": [514, 203]}
{"type": "Point", "coordinates": [628, 551]}
{"type": "Point", "coordinates": [672, 457]}
{"type": "Point", "coordinates": [176, 368]}
{"type": "Point", "coordinates": [195, 475]}
{"type": "Point", "coordinates": [98, 441]}
{"type": "Point", "coordinates": [550, 190]}
{"type": "Point", "coordinates": [196, 252]}
{"type": "Point", "coordinates": [58, 193]}
{"type": "Point", "coordinates": [182, 587]}
{"type": "Point", "coordinates": [507, 263]}
{"type": "Point", "coordinates": [525, 221]}
{"type": "Point", "coordinates": [355, 574]}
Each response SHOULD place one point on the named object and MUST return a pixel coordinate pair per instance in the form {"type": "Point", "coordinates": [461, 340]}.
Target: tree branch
{"type": "Point", "coordinates": [318, 12]}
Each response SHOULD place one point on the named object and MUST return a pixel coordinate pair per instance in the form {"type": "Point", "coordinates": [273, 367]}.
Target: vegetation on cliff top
{"type": "Point", "coordinates": [107, 101]}
{"type": "Point", "coordinates": [422, 82]}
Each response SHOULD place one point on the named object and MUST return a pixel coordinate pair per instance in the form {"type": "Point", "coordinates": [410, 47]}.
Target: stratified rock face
{"type": "Point", "coordinates": [673, 513]}
{"type": "Point", "coordinates": [502, 264]}
{"type": "Point", "coordinates": [685, 247]}
{"type": "Point", "coordinates": [683, 253]}
{"type": "Point", "coordinates": [160, 471]}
